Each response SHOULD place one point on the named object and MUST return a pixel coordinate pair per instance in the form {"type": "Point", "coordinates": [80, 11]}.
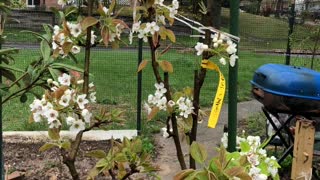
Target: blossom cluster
{"type": "Point", "coordinates": [220, 40]}
{"type": "Point", "coordinates": [69, 35]}
{"type": "Point", "coordinates": [145, 30]}
{"type": "Point", "coordinates": [183, 106]}
{"type": "Point", "coordinates": [250, 147]}
{"type": "Point", "coordinates": [64, 102]}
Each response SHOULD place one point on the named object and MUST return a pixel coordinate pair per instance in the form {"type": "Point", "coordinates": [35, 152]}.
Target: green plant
{"type": "Point", "coordinates": [123, 160]}
{"type": "Point", "coordinates": [250, 162]}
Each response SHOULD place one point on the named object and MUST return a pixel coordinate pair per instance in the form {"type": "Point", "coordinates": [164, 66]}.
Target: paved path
{"type": "Point", "coordinates": [167, 159]}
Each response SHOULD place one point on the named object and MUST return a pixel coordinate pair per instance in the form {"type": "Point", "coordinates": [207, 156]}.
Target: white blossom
{"type": "Point", "coordinates": [143, 35]}
{"type": "Point", "coordinates": [92, 97]}
{"type": "Point", "coordinates": [75, 29]}
{"type": "Point", "coordinates": [162, 103]}
{"type": "Point", "coordinates": [130, 37]}
{"type": "Point", "coordinates": [136, 26]}
{"type": "Point", "coordinates": [70, 120]}
{"type": "Point", "coordinates": [82, 101]}
{"type": "Point", "coordinates": [185, 107]}
{"type": "Point", "coordinates": [37, 116]}
{"type": "Point", "coordinates": [159, 2]}
{"type": "Point", "coordinates": [222, 61]}
{"type": "Point", "coordinates": [105, 10]}
{"type": "Point", "coordinates": [232, 48]}
{"type": "Point", "coordinates": [64, 100]}
{"type": "Point", "coordinates": [224, 140]}
{"type": "Point", "coordinates": [56, 30]}
{"type": "Point", "coordinates": [49, 81]}
{"type": "Point", "coordinates": [253, 159]}
{"type": "Point", "coordinates": [93, 37]}
{"type": "Point", "coordinates": [36, 106]}
{"type": "Point", "coordinates": [175, 4]}
{"type": "Point", "coordinates": [51, 115]}
{"type": "Point", "coordinates": [56, 83]}
{"type": "Point", "coordinates": [62, 2]}
{"type": "Point", "coordinates": [233, 59]}
{"type": "Point", "coordinates": [81, 81]}
{"type": "Point", "coordinates": [147, 108]}
{"type": "Point", "coordinates": [75, 49]}
{"type": "Point", "coordinates": [160, 89]}
{"type": "Point", "coordinates": [151, 27]}
{"type": "Point", "coordinates": [171, 103]}
{"type": "Point", "coordinates": [64, 79]}
{"type": "Point", "coordinates": [54, 123]}
{"type": "Point", "coordinates": [86, 114]}
{"type": "Point", "coordinates": [200, 47]}
{"type": "Point", "coordinates": [165, 133]}
{"type": "Point", "coordinates": [162, 19]}
{"type": "Point", "coordinates": [91, 85]}
{"type": "Point", "coordinates": [77, 126]}
{"type": "Point", "coordinates": [172, 12]}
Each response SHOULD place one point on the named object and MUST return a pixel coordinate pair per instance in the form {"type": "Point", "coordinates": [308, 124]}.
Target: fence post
{"type": "Point", "coordinates": [233, 78]}
{"type": "Point", "coordinates": [139, 88]}
{"type": "Point", "coordinates": [1, 135]}
{"type": "Point", "coordinates": [291, 23]}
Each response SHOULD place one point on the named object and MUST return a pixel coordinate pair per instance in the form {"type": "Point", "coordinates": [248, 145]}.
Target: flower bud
{"type": "Point", "coordinates": [55, 83]}
{"type": "Point", "coordinates": [80, 81]}
{"type": "Point", "coordinates": [49, 81]}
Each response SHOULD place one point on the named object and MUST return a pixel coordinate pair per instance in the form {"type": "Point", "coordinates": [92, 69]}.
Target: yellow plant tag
{"type": "Point", "coordinates": [218, 99]}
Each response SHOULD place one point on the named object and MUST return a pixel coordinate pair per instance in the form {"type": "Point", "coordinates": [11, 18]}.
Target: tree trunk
{"type": "Point", "coordinates": [214, 13]}
{"type": "Point", "coordinates": [212, 18]}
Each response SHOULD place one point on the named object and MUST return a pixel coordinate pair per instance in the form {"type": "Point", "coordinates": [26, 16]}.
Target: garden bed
{"type": "Point", "coordinates": [22, 155]}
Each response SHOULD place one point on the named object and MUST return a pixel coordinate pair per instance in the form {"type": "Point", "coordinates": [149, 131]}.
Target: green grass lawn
{"type": "Point", "coordinates": [114, 73]}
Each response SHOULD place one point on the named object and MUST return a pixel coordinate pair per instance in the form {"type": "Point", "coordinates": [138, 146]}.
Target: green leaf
{"type": "Point", "coordinates": [8, 67]}
{"type": "Point", "coordinates": [8, 51]}
{"type": "Point", "coordinates": [69, 10]}
{"type": "Point", "coordinates": [244, 146]}
{"type": "Point", "coordinates": [65, 66]}
{"type": "Point", "coordinates": [23, 98]}
{"type": "Point", "coordinates": [54, 134]}
{"type": "Point", "coordinates": [126, 142]}
{"type": "Point", "coordinates": [66, 145]}
{"type": "Point", "coordinates": [142, 65]}
{"type": "Point", "coordinates": [45, 50]}
{"type": "Point", "coordinates": [120, 157]}
{"type": "Point", "coordinates": [171, 35]}
{"type": "Point", "coordinates": [47, 146]}
{"type": "Point", "coordinates": [166, 66]}
{"type": "Point", "coordinates": [9, 75]}
{"type": "Point", "coordinates": [88, 21]}
{"type": "Point", "coordinates": [136, 146]}
{"type": "Point", "coordinates": [40, 36]}
{"type": "Point", "coordinates": [112, 5]}
{"type": "Point", "coordinates": [198, 152]}
{"type": "Point", "coordinates": [93, 173]}
{"type": "Point", "coordinates": [183, 174]}
{"type": "Point", "coordinates": [103, 163]}
{"type": "Point", "coordinates": [97, 154]}
{"type": "Point", "coordinates": [73, 57]}
{"type": "Point", "coordinates": [153, 113]}
{"type": "Point", "coordinates": [198, 175]}
{"type": "Point", "coordinates": [54, 73]}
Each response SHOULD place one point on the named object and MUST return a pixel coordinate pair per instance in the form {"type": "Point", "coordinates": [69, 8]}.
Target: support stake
{"type": "Point", "coordinates": [303, 150]}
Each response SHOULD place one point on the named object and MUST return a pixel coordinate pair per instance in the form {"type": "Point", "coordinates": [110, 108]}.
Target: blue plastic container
{"type": "Point", "coordinates": [290, 81]}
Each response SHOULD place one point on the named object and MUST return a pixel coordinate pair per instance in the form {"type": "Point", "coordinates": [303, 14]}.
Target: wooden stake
{"type": "Point", "coordinates": [303, 150]}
